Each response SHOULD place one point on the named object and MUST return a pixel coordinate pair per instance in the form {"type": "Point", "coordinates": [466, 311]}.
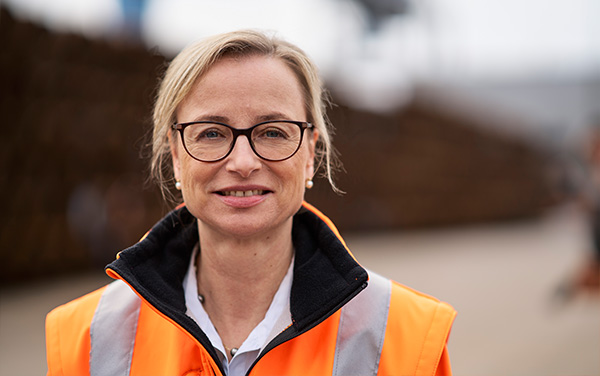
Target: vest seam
{"type": "Point", "coordinates": [58, 348]}
{"type": "Point", "coordinates": [420, 359]}
{"type": "Point", "coordinates": [382, 336]}
{"type": "Point", "coordinates": [446, 333]}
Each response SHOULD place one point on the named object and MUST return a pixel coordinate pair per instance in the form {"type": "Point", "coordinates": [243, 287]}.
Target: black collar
{"type": "Point", "coordinates": [326, 276]}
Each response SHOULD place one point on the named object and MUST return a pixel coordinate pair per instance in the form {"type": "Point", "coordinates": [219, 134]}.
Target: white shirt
{"type": "Point", "coordinates": [277, 318]}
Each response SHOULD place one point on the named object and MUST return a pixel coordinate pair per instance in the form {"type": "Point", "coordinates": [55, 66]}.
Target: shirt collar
{"type": "Point", "coordinates": [277, 318]}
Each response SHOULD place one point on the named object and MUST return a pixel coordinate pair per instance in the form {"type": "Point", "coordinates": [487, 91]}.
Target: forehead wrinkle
{"type": "Point", "coordinates": [276, 115]}
{"type": "Point", "coordinates": [214, 118]}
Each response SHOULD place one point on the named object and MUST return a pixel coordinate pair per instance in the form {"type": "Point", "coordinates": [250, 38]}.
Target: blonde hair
{"type": "Point", "coordinates": [196, 59]}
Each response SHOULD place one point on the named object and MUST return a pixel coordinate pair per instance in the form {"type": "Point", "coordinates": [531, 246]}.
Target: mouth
{"type": "Point", "coordinates": [249, 193]}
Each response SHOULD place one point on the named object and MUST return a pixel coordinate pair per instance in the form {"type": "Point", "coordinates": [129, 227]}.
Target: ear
{"type": "Point", "coordinates": [173, 138]}
{"type": "Point", "coordinates": [310, 164]}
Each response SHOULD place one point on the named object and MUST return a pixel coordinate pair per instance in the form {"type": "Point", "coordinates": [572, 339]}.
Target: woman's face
{"type": "Point", "coordinates": [242, 92]}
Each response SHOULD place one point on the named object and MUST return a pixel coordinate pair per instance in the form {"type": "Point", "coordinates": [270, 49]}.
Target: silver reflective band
{"type": "Point", "coordinates": [362, 330]}
{"type": "Point", "coordinates": [360, 338]}
{"type": "Point", "coordinates": [113, 329]}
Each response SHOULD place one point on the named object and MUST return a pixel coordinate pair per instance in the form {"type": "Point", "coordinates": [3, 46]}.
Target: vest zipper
{"type": "Point", "coordinates": [290, 332]}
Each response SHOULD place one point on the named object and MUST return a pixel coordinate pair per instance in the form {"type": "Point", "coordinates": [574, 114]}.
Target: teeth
{"type": "Point", "coordinates": [243, 193]}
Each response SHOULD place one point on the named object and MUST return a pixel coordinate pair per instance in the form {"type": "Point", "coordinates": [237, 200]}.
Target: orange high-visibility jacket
{"type": "Point", "coordinates": [345, 320]}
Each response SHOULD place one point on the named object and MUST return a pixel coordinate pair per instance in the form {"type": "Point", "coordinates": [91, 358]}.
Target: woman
{"type": "Point", "coordinates": [245, 277]}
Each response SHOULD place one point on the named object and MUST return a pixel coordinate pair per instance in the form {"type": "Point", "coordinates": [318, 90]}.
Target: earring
{"type": "Point", "coordinates": [309, 184]}
{"type": "Point", "coordinates": [178, 185]}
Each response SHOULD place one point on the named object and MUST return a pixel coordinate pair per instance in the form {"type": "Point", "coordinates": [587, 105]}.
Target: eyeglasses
{"type": "Point", "coordinates": [274, 141]}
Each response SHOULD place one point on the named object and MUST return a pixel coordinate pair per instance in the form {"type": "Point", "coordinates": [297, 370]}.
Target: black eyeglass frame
{"type": "Point", "coordinates": [243, 132]}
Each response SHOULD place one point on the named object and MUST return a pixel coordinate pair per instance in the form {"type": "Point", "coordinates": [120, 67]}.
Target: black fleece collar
{"type": "Point", "coordinates": [326, 276]}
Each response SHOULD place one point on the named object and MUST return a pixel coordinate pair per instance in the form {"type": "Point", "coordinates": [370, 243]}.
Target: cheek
{"type": "Point", "coordinates": [184, 170]}
{"type": "Point", "coordinates": [192, 174]}
{"type": "Point", "coordinates": [296, 176]}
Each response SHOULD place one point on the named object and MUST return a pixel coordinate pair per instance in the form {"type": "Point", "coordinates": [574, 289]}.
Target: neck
{"type": "Point", "coordinates": [239, 277]}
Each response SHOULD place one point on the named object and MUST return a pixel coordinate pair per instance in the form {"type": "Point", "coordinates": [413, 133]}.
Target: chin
{"type": "Point", "coordinates": [245, 230]}
{"type": "Point", "coordinates": [250, 226]}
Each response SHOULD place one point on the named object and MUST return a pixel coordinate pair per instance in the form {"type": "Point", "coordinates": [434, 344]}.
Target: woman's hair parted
{"type": "Point", "coordinates": [196, 59]}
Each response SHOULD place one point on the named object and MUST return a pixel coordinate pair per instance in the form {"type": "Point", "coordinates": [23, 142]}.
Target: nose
{"type": "Point", "coordinates": [242, 158]}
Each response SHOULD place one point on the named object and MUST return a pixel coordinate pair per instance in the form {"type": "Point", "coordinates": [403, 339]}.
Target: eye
{"type": "Point", "coordinates": [201, 134]}
{"type": "Point", "coordinates": [211, 133]}
{"type": "Point", "coordinates": [274, 133]}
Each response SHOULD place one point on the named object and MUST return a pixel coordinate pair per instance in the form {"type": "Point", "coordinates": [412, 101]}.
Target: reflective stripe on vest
{"type": "Point", "coordinates": [113, 329]}
{"type": "Point", "coordinates": [360, 336]}
{"type": "Point", "coordinates": [361, 330]}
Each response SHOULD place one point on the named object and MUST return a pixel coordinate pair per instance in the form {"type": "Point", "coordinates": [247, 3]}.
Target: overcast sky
{"type": "Point", "coordinates": [477, 37]}
{"type": "Point", "coordinates": [448, 41]}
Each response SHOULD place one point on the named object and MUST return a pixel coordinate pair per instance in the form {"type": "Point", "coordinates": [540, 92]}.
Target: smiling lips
{"type": "Point", "coordinates": [243, 198]}
{"type": "Point", "coordinates": [254, 192]}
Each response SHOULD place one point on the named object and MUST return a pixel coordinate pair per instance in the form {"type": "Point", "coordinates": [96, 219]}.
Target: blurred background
{"type": "Point", "coordinates": [466, 129]}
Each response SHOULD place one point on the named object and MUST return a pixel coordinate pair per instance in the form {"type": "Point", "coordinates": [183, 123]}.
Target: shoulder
{"type": "Point", "coordinates": [425, 315]}
{"type": "Point", "coordinates": [409, 299]}
{"type": "Point", "coordinates": [83, 309]}
{"type": "Point", "coordinates": [67, 334]}
{"type": "Point", "coordinates": [427, 319]}
{"type": "Point", "coordinates": [418, 326]}
{"type": "Point", "coordinates": [408, 309]}
{"type": "Point", "coordinates": [80, 307]}
{"type": "Point", "coordinates": [406, 302]}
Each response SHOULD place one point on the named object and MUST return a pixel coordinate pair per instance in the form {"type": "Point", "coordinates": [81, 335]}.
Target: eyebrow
{"type": "Point", "coordinates": [273, 116]}
{"type": "Point", "coordinates": [215, 118]}
{"type": "Point", "coordinates": [224, 119]}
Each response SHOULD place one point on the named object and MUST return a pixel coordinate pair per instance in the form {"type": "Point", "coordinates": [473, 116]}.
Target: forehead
{"type": "Point", "coordinates": [244, 86]}
{"type": "Point", "coordinates": [249, 70]}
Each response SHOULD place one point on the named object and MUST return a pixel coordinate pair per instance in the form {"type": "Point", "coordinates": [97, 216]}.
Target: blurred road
{"type": "Point", "coordinates": [500, 278]}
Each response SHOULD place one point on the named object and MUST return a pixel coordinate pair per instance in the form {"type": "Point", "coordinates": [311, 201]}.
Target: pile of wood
{"type": "Point", "coordinates": [424, 167]}
{"type": "Point", "coordinates": [75, 115]}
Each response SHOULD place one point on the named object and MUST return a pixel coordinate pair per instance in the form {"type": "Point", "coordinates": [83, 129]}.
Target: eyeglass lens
{"type": "Point", "coordinates": [213, 141]}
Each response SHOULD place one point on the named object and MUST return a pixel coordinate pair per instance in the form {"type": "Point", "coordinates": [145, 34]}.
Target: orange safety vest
{"type": "Point", "coordinates": [341, 325]}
